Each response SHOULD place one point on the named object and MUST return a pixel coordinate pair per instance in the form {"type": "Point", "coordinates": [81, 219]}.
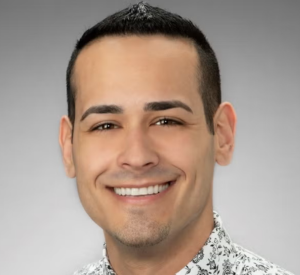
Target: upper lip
{"type": "Point", "coordinates": [141, 185]}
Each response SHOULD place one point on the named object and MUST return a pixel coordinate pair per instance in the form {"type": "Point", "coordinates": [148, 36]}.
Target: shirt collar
{"type": "Point", "coordinates": [213, 256]}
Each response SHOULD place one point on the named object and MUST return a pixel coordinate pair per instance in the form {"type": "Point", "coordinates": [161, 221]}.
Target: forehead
{"type": "Point", "coordinates": [150, 66]}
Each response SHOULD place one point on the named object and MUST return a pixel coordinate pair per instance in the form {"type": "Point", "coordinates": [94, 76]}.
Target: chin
{"type": "Point", "coordinates": [137, 237]}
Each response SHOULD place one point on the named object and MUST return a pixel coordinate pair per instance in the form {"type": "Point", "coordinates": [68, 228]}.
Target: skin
{"type": "Point", "coordinates": [145, 236]}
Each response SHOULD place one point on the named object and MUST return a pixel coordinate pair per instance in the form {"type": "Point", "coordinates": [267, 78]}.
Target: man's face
{"type": "Point", "coordinates": [140, 144]}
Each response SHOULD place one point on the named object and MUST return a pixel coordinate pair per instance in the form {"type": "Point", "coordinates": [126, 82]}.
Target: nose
{"type": "Point", "coordinates": [137, 153]}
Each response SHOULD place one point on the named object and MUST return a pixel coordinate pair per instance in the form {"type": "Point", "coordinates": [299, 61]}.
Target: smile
{"type": "Point", "coordinates": [144, 191]}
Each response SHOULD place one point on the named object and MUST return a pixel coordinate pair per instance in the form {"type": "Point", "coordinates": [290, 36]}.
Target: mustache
{"type": "Point", "coordinates": [155, 173]}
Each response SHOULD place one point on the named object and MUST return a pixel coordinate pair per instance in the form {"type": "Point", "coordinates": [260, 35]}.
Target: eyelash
{"type": "Point", "coordinates": [173, 123]}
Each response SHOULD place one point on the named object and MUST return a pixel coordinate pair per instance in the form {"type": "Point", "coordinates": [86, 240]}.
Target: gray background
{"type": "Point", "coordinates": [44, 229]}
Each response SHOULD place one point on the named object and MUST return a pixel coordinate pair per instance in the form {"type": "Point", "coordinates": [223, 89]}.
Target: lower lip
{"type": "Point", "coordinates": [143, 199]}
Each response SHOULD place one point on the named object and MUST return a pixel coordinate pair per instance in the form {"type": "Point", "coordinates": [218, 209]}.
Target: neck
{"type": "Point", "coordinates": [167, 257]}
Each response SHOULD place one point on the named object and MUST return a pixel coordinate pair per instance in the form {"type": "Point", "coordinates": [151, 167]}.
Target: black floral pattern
{"type": "Point", "coordinates": [202, 271]}
{"type": "Point", "coordinates": [198, 257]}
{"type": "Point", "coordinates": [219, 256]}
{"type": "Point", "coordinates": [212, 265]}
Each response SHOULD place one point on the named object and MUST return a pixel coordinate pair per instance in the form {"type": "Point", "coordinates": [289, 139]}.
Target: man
{"type": "Point", "coordinates": [145, 127]}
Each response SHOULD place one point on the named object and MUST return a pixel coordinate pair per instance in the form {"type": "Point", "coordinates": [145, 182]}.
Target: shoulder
{"type": "Point", "coordinates": [91, 269]}
{"type": "Point", "coordinates": [248, 263]}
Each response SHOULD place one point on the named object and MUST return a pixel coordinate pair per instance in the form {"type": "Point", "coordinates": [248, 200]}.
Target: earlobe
{"type": "Point", "coordinates": [65, 141]}
{"type": "Point", "coordinates": [225, 124]}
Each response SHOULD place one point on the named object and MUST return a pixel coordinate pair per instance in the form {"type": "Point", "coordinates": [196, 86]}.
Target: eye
{"type": "Point", "coordinates": [105, 126]}
{"type": "Point", "coordinates": [167, 122]}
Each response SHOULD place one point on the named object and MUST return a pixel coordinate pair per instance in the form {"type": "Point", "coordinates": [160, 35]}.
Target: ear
{"type": "Point", "coordinates": [225, 124]}
{"type": "Point", "coordinates": [65, 141]}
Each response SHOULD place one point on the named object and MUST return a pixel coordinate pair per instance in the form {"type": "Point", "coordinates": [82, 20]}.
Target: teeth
{"type": "Point", "coordinates": [135, 191]}
{"type": "Point", "coordinates": [150, 190]}
{"type": "Point", "coordinates": [141, 191]}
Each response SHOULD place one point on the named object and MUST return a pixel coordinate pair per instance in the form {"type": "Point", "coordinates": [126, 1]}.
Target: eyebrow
{"type": "Point", "coordinates": [165, 105]}
{"type": "Point", "coordinates": [102, 109]}
{"type": "Point", "coordinates": [148, 107]}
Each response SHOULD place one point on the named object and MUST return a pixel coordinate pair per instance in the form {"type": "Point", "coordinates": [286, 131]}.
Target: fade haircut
{"type": "Point", "coordinates": [143, 19]}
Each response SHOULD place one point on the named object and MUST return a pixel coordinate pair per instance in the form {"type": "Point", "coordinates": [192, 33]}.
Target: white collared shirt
{"type": "Point", "coordinates": [218, 256]}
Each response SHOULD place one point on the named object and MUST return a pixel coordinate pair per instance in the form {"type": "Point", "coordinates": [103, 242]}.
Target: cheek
{"type": "Point", "coordinates": [193, 155]}
{"type": "Point", "coordinates": [188, 151]}
{"type": "Point", "coordinates": [92, 158]}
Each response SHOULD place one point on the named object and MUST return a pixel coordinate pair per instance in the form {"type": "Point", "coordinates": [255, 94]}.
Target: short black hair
{"type": "Point", "coordinates": [143, 19]}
